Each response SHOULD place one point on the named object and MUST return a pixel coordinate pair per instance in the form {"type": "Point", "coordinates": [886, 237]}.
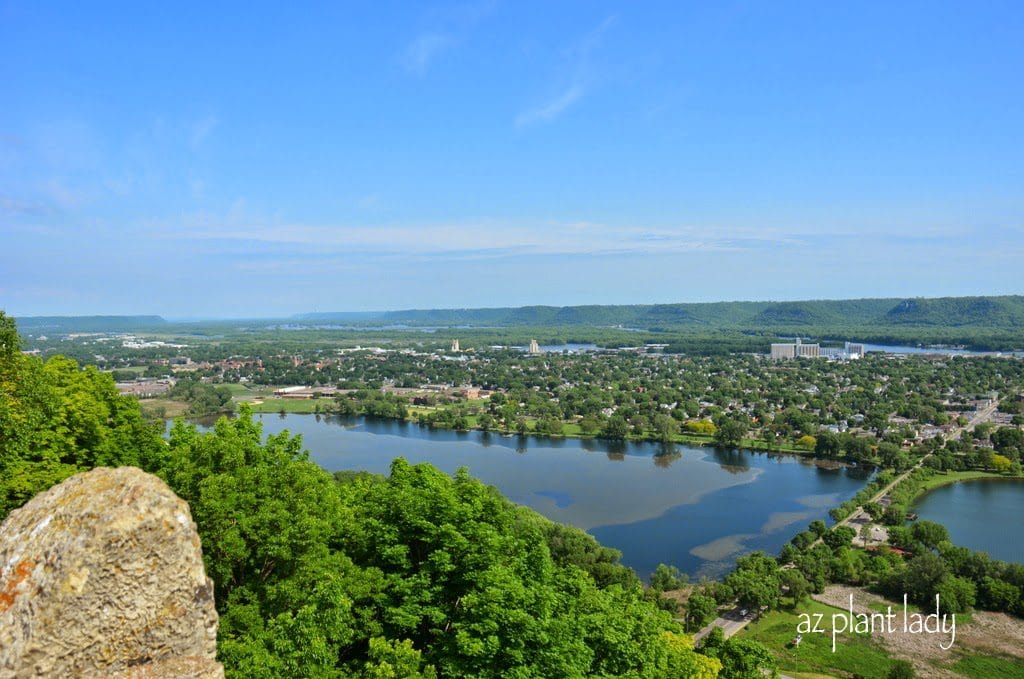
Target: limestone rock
{"type": "Point", "coordinates": [103, 575]}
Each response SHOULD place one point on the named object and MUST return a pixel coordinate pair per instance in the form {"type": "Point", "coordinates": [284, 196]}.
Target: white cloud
{"type": "Point", "coordinates": [449, 27]}
{"type": "Point", "coordinates": [579, 81]}
{"type": "Point", "coordinates": [422, 50]}
{"type": "Point", "coordinates": [552, 109]}
{"type": "Point", "coordinates": [201, 131]}
{"type": "Point", "coordinates": [470, 240]}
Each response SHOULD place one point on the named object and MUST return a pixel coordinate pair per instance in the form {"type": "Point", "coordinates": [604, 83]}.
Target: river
{"type": "Point", "coordinates": [696, 508]}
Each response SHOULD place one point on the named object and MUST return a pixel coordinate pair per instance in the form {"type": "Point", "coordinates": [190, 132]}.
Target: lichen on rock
{"type": "Point", "coordinates": [102, 575]}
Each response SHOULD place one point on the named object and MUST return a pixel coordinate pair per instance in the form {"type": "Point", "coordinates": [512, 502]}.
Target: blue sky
{"type": "Point", "coordinates": [260, 160]}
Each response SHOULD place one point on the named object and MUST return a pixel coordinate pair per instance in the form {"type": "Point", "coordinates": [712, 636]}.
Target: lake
{"type": "Point", "coordinates": [983, 515]}
{"type": "Point", "coordinates": [696, 508]}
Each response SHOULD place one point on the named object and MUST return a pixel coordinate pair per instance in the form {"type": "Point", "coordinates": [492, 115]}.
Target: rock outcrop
{"type": "Point", "coordinates": [103, 575]}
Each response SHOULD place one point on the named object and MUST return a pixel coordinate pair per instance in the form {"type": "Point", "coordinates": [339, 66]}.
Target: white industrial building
{"type": "Point", "coordinates": [797, 349]}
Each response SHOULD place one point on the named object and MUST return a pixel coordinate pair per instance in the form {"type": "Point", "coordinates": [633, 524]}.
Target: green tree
{"type": "Point", "coordinates": [753, 590]}
{"type": "Point", "coordinates": [920, 579]}
{"type": "Point", "coordinates": [740, 658]}
{"type": "Point", "coordinates": [827, 445]}
{"type": "Point", "coordinates": [666, 578]}
{"type": "Point", "coordinates": [795, 585]}
{"type": "Point", "coordinates": [956, 594]}
{"type": "Point", "coordinates": [666, 428]}
{"type": "Point", "coordinates": [838, 537]}
{"type": "Point", "coordinates": [730, 432]}
{"type": "Point", "coordinates": [901, 669]}
{"type": "Point", "coordinates": [700, 609]}
{"type": "Point", "coordinates": [389, 659]}
{"type": "Point", "coordinates": [615, 427]}
{"type": "Point", "coordinates": [929, 533]}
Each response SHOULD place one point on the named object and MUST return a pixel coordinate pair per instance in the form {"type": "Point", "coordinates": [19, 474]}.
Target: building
{"type": "Point", "coordinates": [797, 349]}
{"type": "Point", "coordinates": [145, 388]}
{"type": "Point", "coordinates": [306, 392]}
{"type": "Point", "coordinates": [782, 351]}
{"type": "Point", "coordinates": [534, 347]}
{"type": "Point", "coordinates": [807, 350]}
{"type": "Point", "coordinates": [455, 345]}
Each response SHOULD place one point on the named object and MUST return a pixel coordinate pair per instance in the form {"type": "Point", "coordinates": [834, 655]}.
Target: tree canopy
{"type": "Point", "coordinates": [417, 574]}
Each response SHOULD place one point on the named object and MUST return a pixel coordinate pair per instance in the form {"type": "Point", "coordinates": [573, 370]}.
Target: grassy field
{"type": "Point", "coordinates": [855, 653]}
{"type": "Point", "coordinates": [947, 478]}
{"type": "Point", "coordinates": [137, 369]}
{"type": "Point", "coordinates": [987, 666]}
{"type": "Point", "coordinates": [164, 407]}
{"type": "Point", "coordinates": [981, 651]}
{"type": "Point", "coordinates": [247, 391]}
{"type": "Point", "coordinates": [292, 405]}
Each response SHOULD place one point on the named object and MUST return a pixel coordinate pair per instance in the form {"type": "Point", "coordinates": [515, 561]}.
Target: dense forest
{"type": "Point", "coordinates": [982, 323]}
{"type": "Point", "coordinates": [417, 574]}
{"type": "Point", "coordinates": [997, 312]}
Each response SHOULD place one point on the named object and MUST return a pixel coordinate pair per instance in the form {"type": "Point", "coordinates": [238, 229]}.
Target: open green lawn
{"type": "Point", "coordinates": [946, 478]}
{"type": "Point", "coordinates": [293, 405]}
{"type": "Point", "coordinates": [163, 407]}
{"type": "Point", "coordinates": [137, 369]}
{"type": "Point", "coordinates": [987, 667]}
{"type": "Point", "coordinates": [244, 390]}
{"type": "Point", "coordinates": [855, 654]}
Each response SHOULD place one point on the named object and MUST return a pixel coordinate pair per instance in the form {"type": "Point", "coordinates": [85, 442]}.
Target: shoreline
{"type": "Point", "coordinates": [752, 445]}
{"type": "Point", "coordinates": [308, 408]}
{"type": "Point", "coordinates": [943, 479]}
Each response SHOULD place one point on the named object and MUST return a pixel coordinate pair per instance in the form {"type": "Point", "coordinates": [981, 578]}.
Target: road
{"type": "Point", "coordinates": [979, 417]}
{"type": "Point", "coordinates": [732, 622]}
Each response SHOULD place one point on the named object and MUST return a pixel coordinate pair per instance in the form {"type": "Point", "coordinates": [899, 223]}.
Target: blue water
{"type": "Point", "coordinates": [695, 508]}
{"type": "Point", "coordinates": [983, 515]}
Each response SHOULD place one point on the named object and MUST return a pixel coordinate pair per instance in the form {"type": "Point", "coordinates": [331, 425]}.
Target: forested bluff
{"type": "Point", "coordinates": [415, 575]}
{"type": "Point", "coordinates": [422, 574]}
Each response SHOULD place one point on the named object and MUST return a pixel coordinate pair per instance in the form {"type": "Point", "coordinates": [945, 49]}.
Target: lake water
{"type": "Point", "coordinates": [696, 508]}
{"type": "Point", "coordinates": [983, 515]}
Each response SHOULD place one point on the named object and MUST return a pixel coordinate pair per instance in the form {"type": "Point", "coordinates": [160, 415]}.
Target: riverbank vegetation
{"type": "Point", "coordinates": [202, 399]}
{"type": "Point", "coordinates": [366, 573]}
{"type": "Point", "coordinates": [417, 574]}
{"type": "Point", "coordinates": [984, 323]}
{"type": "Point", "coordinates": [879, 411]}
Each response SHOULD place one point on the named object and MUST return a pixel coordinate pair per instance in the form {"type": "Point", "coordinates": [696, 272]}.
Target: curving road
{"type": "Point", "coordinates": [733, 621]}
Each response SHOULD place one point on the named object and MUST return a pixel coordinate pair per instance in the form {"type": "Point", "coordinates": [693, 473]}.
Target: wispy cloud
{"type": "Point", "coordinates": [201, 131]}
{"type": "Point", "coordinates": [470, 240]}
{"type": "Point", "coordinates": [580, 76]}
{"type": "Point", "coordinates": [11, 205]}
{"type": "Point", "coordinates": [447, 29]}
{"type": "Point", "coordinates": [422, 50]}
{"type": "Point", "coordinates": [553, 108]}
{"type": "Point", "coordinates": [371, 202]}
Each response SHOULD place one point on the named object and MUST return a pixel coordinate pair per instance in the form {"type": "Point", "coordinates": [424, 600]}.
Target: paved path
{"type": "Point", "coordinates": [979, 417]}
{"type": "Point", "coordinates": [732, 622]}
